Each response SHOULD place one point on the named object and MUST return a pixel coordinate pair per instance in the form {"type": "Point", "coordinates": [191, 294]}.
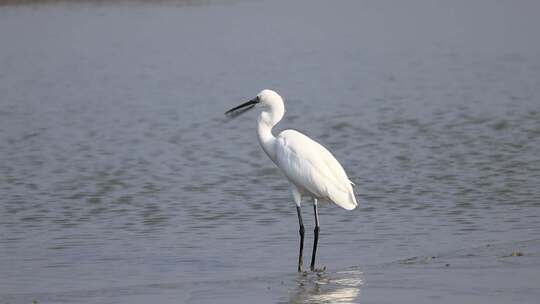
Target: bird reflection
{"type": "Point", "coordinates": [322, 287]}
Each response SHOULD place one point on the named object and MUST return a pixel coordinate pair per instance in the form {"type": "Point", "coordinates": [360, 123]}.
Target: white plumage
{"type": "Point", "coordinates": [310, 168]}
{"type": "Point", "coordinates": [313, 169]}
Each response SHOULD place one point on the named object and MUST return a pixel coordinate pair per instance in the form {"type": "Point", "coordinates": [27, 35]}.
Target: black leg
{"type": "Point", "coordinates": [316, 232]}
{"type": "Point", "coordinates": [300, 256]}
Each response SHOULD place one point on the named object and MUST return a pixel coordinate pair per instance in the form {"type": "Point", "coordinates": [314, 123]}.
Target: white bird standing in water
{"type": "Point", "coordinates": [310, 168]}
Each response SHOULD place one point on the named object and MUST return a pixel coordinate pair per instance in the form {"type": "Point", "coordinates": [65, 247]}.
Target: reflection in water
{"type": "Point", "coordinates": [340, 287]}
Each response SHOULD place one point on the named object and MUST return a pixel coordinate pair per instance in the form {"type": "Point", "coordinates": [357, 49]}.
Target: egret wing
{"type": "Point", "coordinates": [312, 167]}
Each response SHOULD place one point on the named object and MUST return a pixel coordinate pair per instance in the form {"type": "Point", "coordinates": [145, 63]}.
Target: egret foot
{"type": "Point", "coordinates": [318, 270]}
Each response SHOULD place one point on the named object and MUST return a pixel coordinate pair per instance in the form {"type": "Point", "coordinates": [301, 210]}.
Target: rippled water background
{"type": "Point", "coordinates": [119, 173]}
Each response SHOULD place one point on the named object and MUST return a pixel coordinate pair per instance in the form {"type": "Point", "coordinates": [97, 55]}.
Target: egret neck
{"type": "Point", "coordinates": [268, 118]}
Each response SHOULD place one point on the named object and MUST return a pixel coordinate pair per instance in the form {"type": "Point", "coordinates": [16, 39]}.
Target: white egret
{"type": "Point", "coordinates": [310, 168]}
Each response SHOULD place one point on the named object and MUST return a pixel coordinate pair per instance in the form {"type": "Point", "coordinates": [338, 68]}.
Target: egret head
{"type": "Point", "coordinates": [268, 100]}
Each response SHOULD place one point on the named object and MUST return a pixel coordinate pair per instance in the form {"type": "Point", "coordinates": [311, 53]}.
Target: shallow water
{"type": "Point", "coordinates": [122, 181]}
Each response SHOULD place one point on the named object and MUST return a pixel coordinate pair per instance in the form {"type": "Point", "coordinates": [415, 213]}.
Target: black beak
{"type": "Point", "coordinates": [242, 108]}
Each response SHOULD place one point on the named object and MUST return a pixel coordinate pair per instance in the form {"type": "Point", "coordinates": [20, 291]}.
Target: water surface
{"type": "Point", "coordinates": [121, 180]}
